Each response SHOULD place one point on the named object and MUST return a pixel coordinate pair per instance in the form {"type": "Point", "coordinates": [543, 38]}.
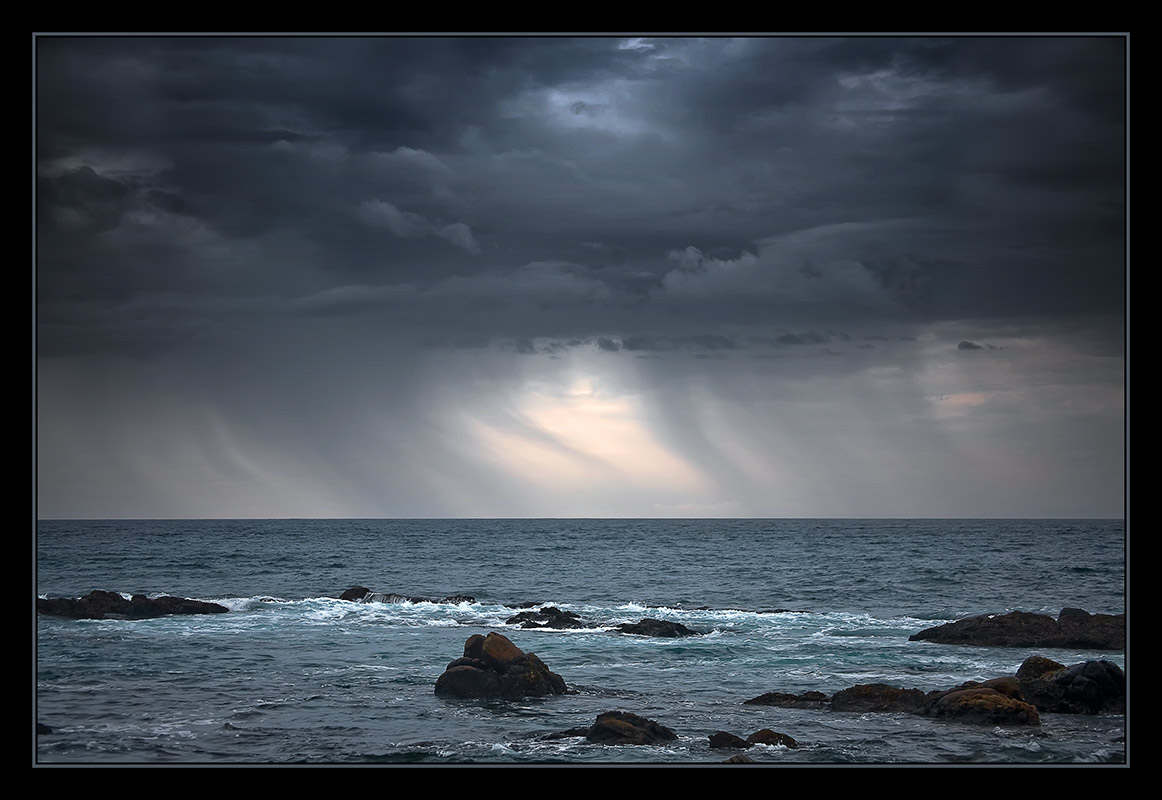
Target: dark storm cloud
{"type": "Point", "coordinates": [843, 177]}
{"type": "Point", "coordinates": [348, 253]}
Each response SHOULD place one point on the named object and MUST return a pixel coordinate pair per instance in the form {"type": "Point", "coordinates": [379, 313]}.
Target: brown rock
{"type": "Point", "coordinates": [981, 705]}
{"type": "Point", "coordinates": [877, 697]}
{"type": "Point", "coordinates": [621, 727]}
{"type": "Point", "coordinates": [492, 666]}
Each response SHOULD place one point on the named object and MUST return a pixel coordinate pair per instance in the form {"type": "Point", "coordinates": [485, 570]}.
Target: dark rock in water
{"type": "Point", "coordinates": [784, 700]}
{"type": "Point", "coordinates": [722, 740]}
{"type": "Point", "coordinates": [656, 627]}
{"type": "Point", "coordinates": [42, 728]}
{"type": "Point", "coordinates": [877, 697]}
{"type": "Point", "coordinates": [621, 727]}
{"type": "Point", "coordinates": [547, 617]}
{"type": "Point", "coordinates": [1074, 628]}
{"type": "Point", "coordinates": [1092, 687]}
{"type": "Point", "coordinates": [767, 736]}
{"type": "Point", "coordinates": [457, 599]}
{"type": "Point", "coordinates": [740, 758]}
{"type": "Point", "coordinates": [979, 704]}
{"type": "Point", "coordinates": [111, 605]}
{"type": "Point", "coordinates": [361, 594]}
{"type": "Point", "coordinates": [492, 666]}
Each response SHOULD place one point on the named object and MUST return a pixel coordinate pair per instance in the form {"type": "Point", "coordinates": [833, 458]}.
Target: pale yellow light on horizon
{"type": "Point", "coordinates": [585, 439]}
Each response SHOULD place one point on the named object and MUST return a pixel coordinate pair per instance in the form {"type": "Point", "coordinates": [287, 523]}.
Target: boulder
{"type": "Point", "coordinates": [1074, 629]}
{"type": "Point", "coordinates": [722, 740]}
{"type": "Point", "coordinates": [980, 704]}
{"type": "Point", "coordinates": [656, 627]}
{"type": "Point", "coordinates": [814, 700]}
{"type": "Point", "coordinates": [740, 758]}
{"type": "Point", "coordinates": [111, 605]}
{"type": "Point", "coordinates": [877, 697]}
{"type": "Point", "coordinates": [622, 727]}
{"type": "Point", "coordinates": [1092, 687]}
{"type": "Point", "coordinates": [493, 667]}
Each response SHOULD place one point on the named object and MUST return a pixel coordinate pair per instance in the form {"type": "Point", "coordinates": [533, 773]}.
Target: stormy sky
{"type": "Point", "coordinates": [578, 277]}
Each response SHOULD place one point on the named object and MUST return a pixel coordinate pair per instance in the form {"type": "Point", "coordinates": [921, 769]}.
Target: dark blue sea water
{"type": "Point", "coordinates": [294, 675]}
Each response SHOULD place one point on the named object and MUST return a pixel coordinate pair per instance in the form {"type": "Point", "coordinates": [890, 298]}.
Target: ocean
{"type": "Point", "coordinates": [293, 675]}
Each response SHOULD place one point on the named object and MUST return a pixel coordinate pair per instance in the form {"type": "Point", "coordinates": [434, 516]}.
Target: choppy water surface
{"type": "Point", "coordinates": [294, 675]}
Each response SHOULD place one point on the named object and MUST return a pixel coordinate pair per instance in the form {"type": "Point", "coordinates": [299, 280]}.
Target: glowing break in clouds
{"type": "Point", "coordinates": [579, 439]}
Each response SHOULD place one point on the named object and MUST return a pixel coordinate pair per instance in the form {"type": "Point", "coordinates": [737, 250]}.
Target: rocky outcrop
{"type": "Point", "coordinates": [622, 727]}
{"type": "Point", "coordinates": [361, 594]}
{"type": "Point", "coordinates": [547, 617]}
{"type": "Point", "coordinates": [656, 627]}
{"type": "Point", "coordinates": [494, 667]}
{"type": "Point", "coordinates": [112, 605]}
{"type": "Point", "coordinates": [1074, 628]}
{"type": "Point", "coordinates": [1092, 687]}
{"type": "Point", "coordinates": [785, 700]}
{"type": "Point", "coordinates": [877, 697]}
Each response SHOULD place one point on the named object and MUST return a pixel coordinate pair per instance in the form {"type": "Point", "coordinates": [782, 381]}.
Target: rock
{"type": "Point", "coordinates": [1074, 628]}
{"type": "Point", "coordinates": [656, 627]}
{"type": "Point", "coordinates": [621, 727]}
{"type": "Point", "coordinates": [361, 594]}
{"type": "Point", "coordinates": [877, 697]}
{"type": "Point", "coordinates": [767, 736]}
{"type": "Point", "coordinates": [41, 728]}
{"type": "Point", "coordinates": [494, 667]}
{"type": "Point", "coordinates": [982, 705]}
{"type": "Point", "coordinates": [111, 605]}
{"type": "Point", "coordinates": [547, 617]}
{"type": "Point", "coordinates": [814, 700]}
{"type": "Point", "coordinates": [722, 740]}
{"type": "Point", "coordinates": [740, 758]}
{"type": "Point", "coordinates": [1092, 687]}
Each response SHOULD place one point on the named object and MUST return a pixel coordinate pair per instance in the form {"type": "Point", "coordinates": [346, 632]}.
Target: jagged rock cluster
{"type": "Point", "coordinates": [1041, 685]}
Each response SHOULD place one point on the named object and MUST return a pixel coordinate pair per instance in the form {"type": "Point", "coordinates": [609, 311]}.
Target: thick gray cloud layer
{"type": "Point", "coordinates": [274, 266]}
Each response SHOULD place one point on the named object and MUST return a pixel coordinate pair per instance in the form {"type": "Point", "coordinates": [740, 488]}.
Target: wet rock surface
{"type": "Point", "coordinates": [622, 727]}
{"type": "Point", "coordinates": [1073, 628]}
{"type": "Point", "coordinates": [111, 605]}
{"type": "Point", "coordinates": [493, 667]}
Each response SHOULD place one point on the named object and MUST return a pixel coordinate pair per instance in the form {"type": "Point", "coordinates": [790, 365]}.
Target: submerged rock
{"type": "Point", "coordinates": [493, 667]}
{"type": "Point", "coordinates": [1074, 628]}
{"type": "Point", "coordinates": [622, 727]}
{"type": "Point", "coordinates": [656, 627]}
{"type": "Point", "coordinates": [111, 605]}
